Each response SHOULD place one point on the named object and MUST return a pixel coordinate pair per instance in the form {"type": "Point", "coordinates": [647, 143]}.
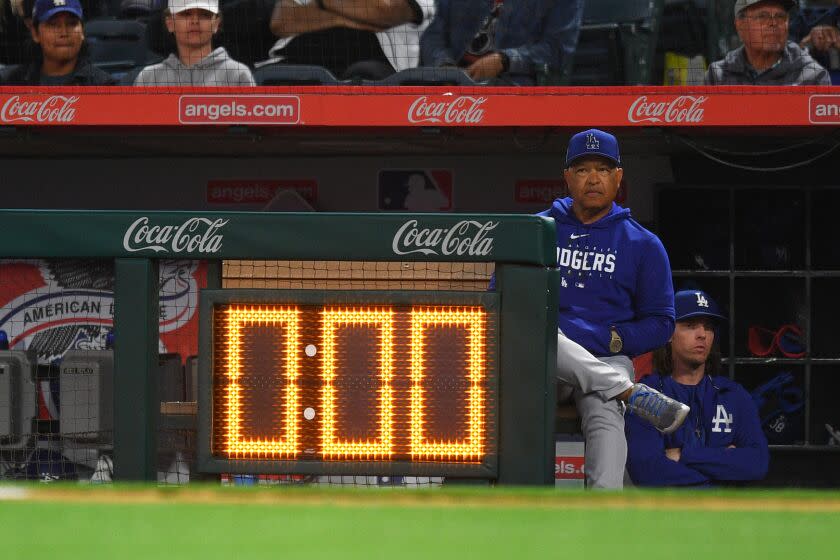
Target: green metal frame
{"type": "Point", "coordinates": [523, 247]}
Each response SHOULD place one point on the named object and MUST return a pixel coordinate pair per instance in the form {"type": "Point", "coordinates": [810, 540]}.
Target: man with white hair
{"type": "Point", "coordinates": [194, 23]}
{"type": "Point", "coordinates": [766, 58]}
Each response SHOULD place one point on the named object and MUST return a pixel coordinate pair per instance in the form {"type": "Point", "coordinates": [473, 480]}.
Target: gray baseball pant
{"type": "Point", "coordinates": [596, 383]}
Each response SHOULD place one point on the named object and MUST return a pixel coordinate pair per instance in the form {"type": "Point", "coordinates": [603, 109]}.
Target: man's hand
{"type": "Point", "coordinates": [823, 37]}
{"type": "Point", "coordinates": [674, 453]}
{"type": "Point", "coordinates": [486, 67]}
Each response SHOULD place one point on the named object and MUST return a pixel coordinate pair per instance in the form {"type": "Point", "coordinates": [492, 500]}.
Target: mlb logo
{"type": "Point", "coordinates": [415, 190]}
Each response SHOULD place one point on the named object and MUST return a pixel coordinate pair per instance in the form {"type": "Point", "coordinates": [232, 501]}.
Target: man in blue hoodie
{"type": "Point", "coordinates": [616, 302]}
{"type": "Point", "coordinates": [721, 441]}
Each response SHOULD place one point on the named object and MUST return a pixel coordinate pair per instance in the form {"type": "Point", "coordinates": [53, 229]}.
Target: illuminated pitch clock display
{"type": "Point", "coordinates": [353, 382]}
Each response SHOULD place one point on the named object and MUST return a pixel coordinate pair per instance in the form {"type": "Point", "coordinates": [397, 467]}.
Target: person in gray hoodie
{"type": "Point", "coordinates": [194, 22]}
{"type": "Point", "coordinates": [766, 58]}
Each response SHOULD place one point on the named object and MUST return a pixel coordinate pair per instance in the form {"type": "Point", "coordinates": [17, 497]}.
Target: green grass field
{"type": "Point", "coordinates": [125, 522]}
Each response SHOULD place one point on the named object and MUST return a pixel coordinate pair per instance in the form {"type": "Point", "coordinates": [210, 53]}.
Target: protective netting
{"type": "Point", "coordinates": [410, 42]}
{"type": "Point", "coordinates": [57, 369]}
{"type": "Point", "coordinates": [57, 366]}
{"type": "Point", "coordinates": [357, 275]}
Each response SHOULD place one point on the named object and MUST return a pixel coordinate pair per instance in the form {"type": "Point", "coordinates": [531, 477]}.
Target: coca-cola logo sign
{"type": "Point", "coordinates": [39, 109]}
{"type": "Point", "coordinates": [195, 235]}
{"type": "Point", "coordinates": [464, 109]}
{"type": "Point", "coordinates": [467, 237]}
{"type": "Point", "coordinates": [685, 109]}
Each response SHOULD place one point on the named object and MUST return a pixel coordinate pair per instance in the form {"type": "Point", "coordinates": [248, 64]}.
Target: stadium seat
{"type": "Point", "coordinates": [426, 76]}
{"type": "Point", "coordinates": [245, 31]}
{"type": "Point", "coordinates": [617, 41]}
{"type": "Point", "coordinates": [128, 78]}
{"type": "Point", "coordinates": [279, 74]}
{"type": "Point", "coordinates": [118, 46]}
{"type": "Point", "coordinates": [599, 58]}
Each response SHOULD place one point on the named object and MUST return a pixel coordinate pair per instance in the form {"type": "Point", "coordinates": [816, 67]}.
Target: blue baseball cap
{"type": "Point", "coordinates": [695, 303]}
{"type": "Point", "coordinates": [45, 9]}
{"type": "Point", "coordinates": [593, 142]}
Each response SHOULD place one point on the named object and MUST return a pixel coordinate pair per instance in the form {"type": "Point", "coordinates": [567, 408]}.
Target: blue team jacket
{"type": "Point", "coordinates": [722, 414]}
{"type": "Point", "coordinates": [616, 273]}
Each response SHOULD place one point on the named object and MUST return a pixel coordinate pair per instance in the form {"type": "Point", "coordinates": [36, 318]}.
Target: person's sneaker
{"type": "Point", "coordinates": [664, 413]}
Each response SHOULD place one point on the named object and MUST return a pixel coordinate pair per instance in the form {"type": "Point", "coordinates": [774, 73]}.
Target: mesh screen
{"type": "Point", "coordinates": [357, 275]}
{"type": "Point", "coordinates": [57, 365]}
{"type": "Point", "coordinates": [57, 369]}
{"type": "Point", "coordinates": [460, 42]}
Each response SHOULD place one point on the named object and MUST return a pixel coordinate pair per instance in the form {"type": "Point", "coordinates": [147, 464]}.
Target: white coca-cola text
{"type": "Point", "coordinates": [682, 109]}
{"type": "Point", "coordinates": [196, 235]}
{"type": "Point", "coordinates": [467, 237]}
{"type": "Point", "coordinates": [461, 110]}
{"type": "Point", "coordinates": [56, 108]}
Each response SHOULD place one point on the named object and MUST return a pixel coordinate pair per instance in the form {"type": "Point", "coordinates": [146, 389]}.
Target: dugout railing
{"type": "Point", "coordinates": [520, 251]}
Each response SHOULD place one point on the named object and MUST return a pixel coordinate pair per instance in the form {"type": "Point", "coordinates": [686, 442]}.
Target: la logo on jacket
{"type": "Point", "coordinates": [722, 417]}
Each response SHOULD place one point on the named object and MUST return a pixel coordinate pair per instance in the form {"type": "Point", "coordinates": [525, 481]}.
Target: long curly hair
{"type": "Point", "coordinates": [663, 360]}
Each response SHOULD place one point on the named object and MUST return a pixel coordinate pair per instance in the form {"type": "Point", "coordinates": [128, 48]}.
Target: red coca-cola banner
{"type": "Point", "coordinates": [422, 106]}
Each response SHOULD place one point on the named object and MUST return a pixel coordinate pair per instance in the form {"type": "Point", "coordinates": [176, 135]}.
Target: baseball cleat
{"type": "Point", "coordinates": [664, 413]}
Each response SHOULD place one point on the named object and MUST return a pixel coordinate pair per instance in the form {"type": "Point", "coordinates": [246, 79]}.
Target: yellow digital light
{"type": "Point", "coordinates": [472, 447]}
{"type": "Point", "coordinates": [238, 444]}
{"type": "Point", "coordinates": [338, 383]}
{"type": "Point", "coordinates": [333, 447]}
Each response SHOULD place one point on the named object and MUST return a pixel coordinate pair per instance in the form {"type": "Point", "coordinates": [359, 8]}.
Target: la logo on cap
{"type": "Point", "coordinates": [592, 143]}
{"type": "Point", "coordinates": [58, 3]}
{"type": "Point", "coordinates": [701, 301]}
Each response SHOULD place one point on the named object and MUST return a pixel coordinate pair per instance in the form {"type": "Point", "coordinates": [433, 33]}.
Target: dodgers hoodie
{"type": "Point", "coordinates": [215, 69]}
{"type": "Point", "coordinates": [722, 414]}
{"type": "Point", "coordinates": [615, 273]}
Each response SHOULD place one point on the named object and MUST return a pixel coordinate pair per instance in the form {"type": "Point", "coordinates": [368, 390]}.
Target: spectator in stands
{"type": "Point", "coordinates": [819, 32]}
{"type": "Point", "coordinates": [60, 57]}
{"type": "Point", "coordinates": [369, 39]}
{"type": "Point", "coordinates": [23, 9]}
{"type": "Point", "coordinates": [508, 41]}
{"type": "Point", "coordinates": [15, 23]}
{"type": "Point", "coordinates": [193, 23]}
{"type": "Point", "coordinates": [766, 58]}
{"type": "Point", "coordinates": [721, 440]}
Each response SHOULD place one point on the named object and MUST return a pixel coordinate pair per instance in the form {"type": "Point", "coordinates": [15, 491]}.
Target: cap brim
{"type": "Point", "coordinates": [701, 314]}
{"type": "Point", "coordinates": [591, 154]}
{"type": "Point", "coordinates": [57, 10]}
{"type": "Point", "coordinates": [789, 4]}
{"type": "Point", "coordinates": [194, 6]}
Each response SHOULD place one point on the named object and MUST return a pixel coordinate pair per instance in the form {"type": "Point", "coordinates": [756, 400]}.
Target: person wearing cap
{"type": "Point", "coordinates": [818, 30]}
{"type": "Point", "coordinates": [61, 54]}
{"type": "Point", "coordinates": [721, 440]}
{"type": "Point", "coordinates": [194, 23]}
{"type": "Point", "coordinates": [766, 57]}
{"type": "Point", "coordinates": [616, 302]}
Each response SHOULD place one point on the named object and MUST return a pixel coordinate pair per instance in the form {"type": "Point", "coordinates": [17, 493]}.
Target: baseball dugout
{"type": "Point", "coordinates": [330, 345]}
